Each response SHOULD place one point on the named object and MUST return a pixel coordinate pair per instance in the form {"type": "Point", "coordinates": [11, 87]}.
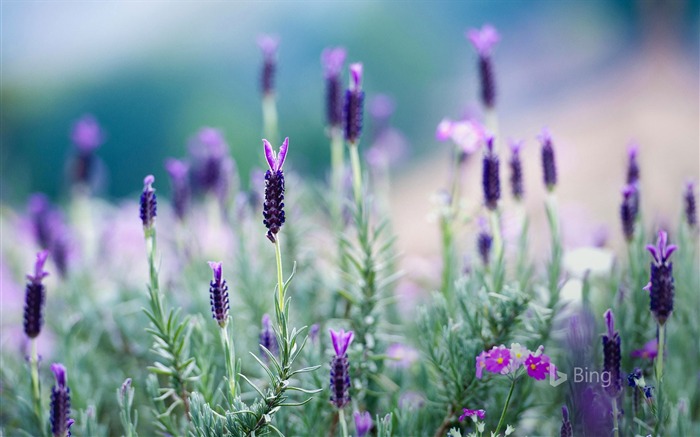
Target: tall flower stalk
{"type": "Point", "coordinates": [218, 297]}
{"type": "Point", "coordinates": [354, 102]}
{"type": "Point", "coordinates": [611, 366]}
{"type": "Point", "coordinates": [35, 298]}
{"type": "Point", "coordinates": [484, 40]}
{"type": "Point", "coordinates": [333, 60]}
{"type": "Point", "coordinates": [268, 45]}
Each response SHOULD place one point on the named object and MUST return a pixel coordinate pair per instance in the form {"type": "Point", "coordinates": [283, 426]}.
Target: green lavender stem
{"type": "Point", "coordinates": [337, 165]}
{"type": "Point", "coordinates": [36, 391]}
{"type": "Point", "coordinates": [505, 407]}
{"type": "Point", "coordinates": [230, 356]}
{"type": "Point", "coordinates": [343, 424]}
{"type": "Point", "coordinates": [616, 424]}
{"type": "Point", "coordinates": [269, 110]}
{"type": "Point", "coordinates": [447, 219]}
{"type": "Point", "coordinates": [356, 173]}
{"type": "Point", "coordinates": [280, 277]}
{"type": "Point", "coordinates": [659, 374]}
{"type": "Point", "coordinates": [498, 252]}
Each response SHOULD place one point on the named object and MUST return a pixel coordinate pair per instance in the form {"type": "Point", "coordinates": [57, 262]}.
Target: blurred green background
{"type": "Point", "coordinates": [153, 73]}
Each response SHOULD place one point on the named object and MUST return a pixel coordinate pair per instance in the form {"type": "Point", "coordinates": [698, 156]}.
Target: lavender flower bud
{"type": "Point", "coordinates": [483, 41]}
{"type": "Point", "coordinates": [340, 376]}
{"type": "Point", "coordinates": [218, 295]}
{"type": "Point", "coordinates": [268, 44]}
{"type": "Point", "coordinates": [516, 170]}
{"type": "Point", "coordinates": [60, 403]}
{"type": "Point", "coordinates": [354, 103]}
{"type": "Point", "coordinates": [39, 212]}
{"type": "Point", "coordinates": [178, 172]}
{"type": "Point", "coordinates": [273, 208]}
{"type": "Point", "coordinates": [148, 203]}
{"type": "Point", "coordinates": [661, 287]}
{"type": "Point", "coordinates": [35, 297]}
{"type": "Point", "coordinates": [691, 215]}
{"type": "Point", "coordinates": [549, 168]}
{"type": "Point", "coordinates": [566, 428]}
{"type": "Point", "coordinates": [363, 423]}
{"type": "Point", "coordinates": [612, 356]}
{"type": "Point", "coordinates": [208, 151]}
{"type": "Point", "coordinates": [491, 181]}
{"type": "Point", "coordinates": [629, 210]}
{"type": "Point", "coordinates": [632, 164]}
{"type": "Point", "coordinates": [333, 60]}
{"type": "Point", "coordinates": [87, 136]}
{"type": "Point", "coordinates": [268, 338]}
{"type": "Point", "coordinates": [484, 242]}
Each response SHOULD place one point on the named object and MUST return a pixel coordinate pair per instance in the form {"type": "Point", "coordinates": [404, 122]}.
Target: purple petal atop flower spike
{"type": "Point", "coordinates": [39, 272]}
{"type": "Point", "coordinates": [216, 270]}
{"type": "Point", "coordinates": [356, 76]}
{"type": "Point", "coordinates": [610, 322]}
{"type": "Point", "coordinates": [341, 341]}
{"type": "Point", "coordinates": [59, 371]}
{"type": "Point", "coordinates": [274, 160]}
{"type": "Point", "coordinates": [363, 423]}
{"type": "Point", "coordinates": [268, 44]}
{"type": "Point", "coordinates": [333, 59]}
{"type": "Point", "coordinates": [662, 251]}
{"type": "Point", "coordinates": [483, 39]}
{"type": "Point", "coordinates": [86, 134]}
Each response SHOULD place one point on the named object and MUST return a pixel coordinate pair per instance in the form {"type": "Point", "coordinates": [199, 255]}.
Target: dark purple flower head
{"type": "Point", "coordinates": [483, 39]}
{"type": "Point", "coordinates": [341, 340]}
{"type": "Point", "coordinates": [549, 168]}
{"type": "Point", "coordinates": [474, 414]}
{"type": "Point", "coordinates": [516, 169]}
{"type": "Point", "coordinates": [491, 181]}
{"type": "Point", "coordinates": [354, 102]}
{"type": "Point", "coordinates": [60, 403]}
{"type": "Point", "coordinates": [268, 338]}
{"type": "Point", "coordinates": [209, 154]}
{"type": "Point", "coordinates": [363, 423]}
{"type": "Point", "coordinates": [87, 134]}
{"type": "Point", "coordinates": [179, 182]}
{"type": "Point", "coordinates": [149, 203]}
{"type": "Point", "coordinates": [629, 210]}
{"type": "Point", "coordinates": [340, 375]}
{"type": "Point", "coordinates": [35, 297]}
{"type": "Point", "coordinates": [333, 60]}
{"type": "Point", "coordinates": [484, 242]}
{"type": "Point", "coordinates": [660, 286]}
{"type": "Point", "coordinates": [691, 213]}
{"type": "Point", "coordinates": [566, 428]}
{"type": "Point", "coordinates": [268, 44]}
{"type": "Point", "coordinates": [612, 356]}
{"type": "Point", "coordinates": [218, 295]}
{"type": "Point", "coordinates": [273, 208]}
{"type": "Point", "coordinates": [632, 164]}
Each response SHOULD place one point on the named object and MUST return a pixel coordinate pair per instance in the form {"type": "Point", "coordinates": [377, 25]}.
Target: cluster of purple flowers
{"type": "Point", "coordinates": [507, 361]}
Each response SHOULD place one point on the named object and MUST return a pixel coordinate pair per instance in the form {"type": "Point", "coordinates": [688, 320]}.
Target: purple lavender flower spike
{"type": "Point", "coordinates": [39, 211]}
{"type": "Point", "coordinates": [632, 164]}
{"type": "Point", "coordinates": [612, 356]}
{"type": "Point", "coordinates": [60, 403]}
{"type": "Point", "coordinates": [516, 169]}
{"type": "Point", "coordinates": [35, 297]}
{"type": "Point", "coordinates": [629, 210]}
{"type": "Point", "coordinates": [491, 181]}
{"type": "Point", "coordinates": [87, 134]}
{"type": "Point", "coordinates": [208, 151]}
{"type": "Point", "coordinates": [273, 208]}
{"type": "Point", "coordinates": [484, 242]}
{"type": "Point", "coordinates": [483, 41]}
{"type": "Point", "coordinates": [661, 287]}
{"type": "Point", "coordinates": [354, 102]}
{"type": "Point", "coordinates": [363, 423]}
{"type": "Point", "coordinates": [268, 44]}
{"type": "Point", "coordinates": [340, 376]}
{"type": "Point", "coordinates": [333, 60]}
{"type": "Point", "coordinates": [549, 168]}
{"type": "Point", "coordinates": [179, 172]}
{"type": "Point", "coordinates": [691, 214]}
{"type": "Point", "coordinates": [566, 428]}
{"type": "Point", "coordinates": [218, 295]}
{"type": "Point", "coordinates": [149, 204]}
{"type": "Point", "coordinates": [268, 339]}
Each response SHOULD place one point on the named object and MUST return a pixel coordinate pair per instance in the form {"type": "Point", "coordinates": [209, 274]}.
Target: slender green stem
{"type": "Point", "coordinates": [337, 164]}
{"type": "Point", "coordinates": [280, 277]}
{"type": "Point", "coordinates": [616, 422]}
{"type": "Point", "coordinates": [659, 367]}
{"type": "Point", "coordinates": [230, 352]}
{"type": "Point", "coordinates": [269, 110]}
{"type": "Point", "coordinates": [505, 407]}
{"type": "Point", "coordinates": [36, 391]}
{"type": "Point", "coordinates": [356, 173]}
{"type": "Point", "coordinates": [343, 424]}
